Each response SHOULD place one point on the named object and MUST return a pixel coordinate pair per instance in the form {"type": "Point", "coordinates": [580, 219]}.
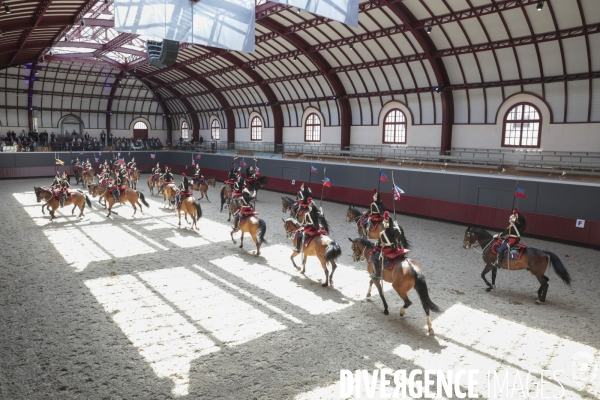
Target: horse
{"type": "Point", "coordinates": [133, 196]}
{"type": "Point", "coordinates": [353, 215]}
{"type": "Point", "coordinates": [203, 188]}
{"type": "Point", "coordinates": [403, 276]}
{"type": "Point", "coordinates": [133, 179]}
{"type": "Point", "coordinates": [77, 199]}
{"type": "Point", "coordinates": [77, 173]}
{"type": "Point", "coordinates": [323, 247]}
{"type": "Point", "coordinates": [154, 184]}
{"type": "Point", "coordinates": [169, 192]}
{"type": "Point", "coordinates": [286, 203]}
{"type": "Point", "coordinates": [534, 260]}
{"type": "Point", "coordinates": [224, 193]}
{"type": "Point", "coordinates": [190, 206]}
{"type": "Point", "coordinates": [256, 227]}
{"type": "Point", "coordinates": [87, 177]}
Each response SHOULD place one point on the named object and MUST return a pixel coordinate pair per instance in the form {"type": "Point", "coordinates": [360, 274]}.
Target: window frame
{"type": "Point", "coordinates": [185, 128]}
{"type": "Point", "coordinates": [217, 127]}
{"type": "Point", "coordinates": [307, 125]}
{"type": "Point", "coordinates": [405, 123]}
{"type": "Point", "coordinates": [506, 121]}
{"type": "Point", "coordinates": [140, 122]}
{"type": "Point", "coordinates": [252, 126]}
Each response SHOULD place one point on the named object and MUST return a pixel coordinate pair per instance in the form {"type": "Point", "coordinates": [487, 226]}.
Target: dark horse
{"type": "Point", "coordinates": [258, 183]}
{"type": "Point", "coordinates": [353, 215]}
{"type": "Point", "coordinates": [534, 260]}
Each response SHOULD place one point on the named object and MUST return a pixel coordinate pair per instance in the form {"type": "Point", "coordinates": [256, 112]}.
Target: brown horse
{"type": "Point", "coordinates": [134, 177]}
{"type": "Point", "coordinates": [534, 260]}
{"type": "Point", "coordinates": [256, 227]}
{"type": "Point", "coordinates": [403, 276]}
{"type": "Point", "coordinates": [130, 195]}
{"type": "Point", "coordinates": [190, 206]}
{"type": "Point", "coordinates": [258, 183]}
{"type": "Point", "coordinates": [88, 177]}
{"type": "Point", "coordinates": [77, 173]}
{"type": "Point", "coordinates": [77, 199]}
{"type": "Point", "coordinates": [98, 190]}
{"type": "Point", "coordinates": [203, 188]}
{"type": "Point", "coordinates": [154, 184]}
{"type": "Point", "coordinates": [286, 203]}
{"type": "Point", "coordinates": [224, 193]}
{"type": "Point", "coordinates": [353, 215]}
{"type": "Point", "coordinates": [323, 247]}
{"type": "Point", "coordinates": [170, 191]}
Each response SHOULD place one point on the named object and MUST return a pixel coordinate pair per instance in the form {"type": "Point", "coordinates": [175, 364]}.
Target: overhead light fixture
{"type": "Point", "coordinates": [266, 104]}
{"type": "Point", "coordinates": [540, 5]}
{"type": "Point", "coordinates": [352, 44]}
{"type": "Point", "coordinates": [66, 39]}
{"type": "Point", "coordinates": [297, 10]}
{"type": "Point", "coordinates": [429, 29]}
{"type": "Point", "coordinates": [295, 57]}
{"type": "Point", "coordinates": [6, 7]}
{"type": "Point", "coordinates": [253, 67]}
{"type": "Point", "coordinates": [82, 22]}
{"type": "Point", "coordinates": [438, 89]}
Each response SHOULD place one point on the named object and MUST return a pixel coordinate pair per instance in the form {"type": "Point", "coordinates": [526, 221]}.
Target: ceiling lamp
{"type": "Point", "coordinates": [540, 5]}
{"type": "Point", "coordinates": [6, 7]}
{"type": "Point", "coordinates": [429, 29]}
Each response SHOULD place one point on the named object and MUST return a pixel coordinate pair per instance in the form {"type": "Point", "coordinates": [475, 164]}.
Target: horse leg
{"type": "Point", "coordinates": [369, 291]}
{"type": "Point", "coordinates": [304, 264]}
{"type": "Point", "coordinates": [333, 268]}
{"type": "Point", "coordinates": [73, 210]}
{"type": "Point", "coordinates": [377, 283]}
{"type": "Point", "coordinates": [242, 240]}
{"type": "Point", "coordinates": [494, 273]}
{"type": "Point", "coordinates": [488, 268]}
{"type": "Point", "coordinates": [134, 207]}
{"type": "Point", "coordinates": [206, 194]}
{"type": "Point", "coordinates": [140, 206]}
{"type": "Point", "coordinates": [543, 290]}
{"type": "Point", "coordinates": [324, 266]}
{"type": "Point", "coordinates": [253, 235]}
{"type": "Point", "coordinates": [232, 232]}
{"type": "Point", "coordinates": [294, 254]}
{"type": "Point", "coordinates": [404, 296]}
{"type": "Point", "coordinates": [179, 215]}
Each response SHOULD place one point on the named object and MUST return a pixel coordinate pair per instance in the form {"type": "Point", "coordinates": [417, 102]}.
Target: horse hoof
{"type": "Point", "coordinates": [489, 289]}
{"type": "Point", "coordinates": [368, 295]}
{"type": "Point", "coordinates": [431, 333]}
{"type": "Point", "coordinates": [386, 312]}
{"type": "Point", "coordinates": [241, 246]}
{"type": "Point", "coordinates": [402, 311]}
{"type": "Point", "coordinates": [324, 284]}
{"type": "Point", "coordinates": [540, 303]}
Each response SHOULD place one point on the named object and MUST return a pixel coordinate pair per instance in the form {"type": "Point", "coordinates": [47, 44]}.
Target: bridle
{"type": "Point", "coordinates": [361, 256]}
{"type": "Point", "coordinates": [476, 243]}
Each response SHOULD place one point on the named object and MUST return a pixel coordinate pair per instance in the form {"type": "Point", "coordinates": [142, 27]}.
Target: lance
{"type": "Point", "coordinates": [394, 196]}
{"type": "Point", "coordinates": [515, 197]}
{"type": "Point", "coordinates": [322, 186]}
{"type": "Point", "coordinates": [379, 181]}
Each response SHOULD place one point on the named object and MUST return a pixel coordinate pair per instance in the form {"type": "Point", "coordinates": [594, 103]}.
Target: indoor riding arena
{"type": "Point", "coordinates": [284, 199]}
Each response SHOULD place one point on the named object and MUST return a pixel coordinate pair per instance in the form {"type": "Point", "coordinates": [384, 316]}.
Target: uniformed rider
{"type": "Point", "coordinates": [64, 190]}
{"type": "Point", "coordinates": [184, 190]}
{"type": "Point", "coordinates": [232, 176]}
{"type": "Point", "coordinates": [167, 179]}
{"type": "Point", "coordinates": [310, 227]}
{"type": "Point", "coordinates": [131, 166]}
{"type": "Point", "coordinates": [245, 207]}
{"type": "Point", "coordinates": [376, 210]}
{"type": "Point", "coordinates": [511, 235]}
{"type": "Point", "coordinates": [156, 171]}
{"type": "Point", "coordinates": [385, 244]}
{"type": "Point", "coordinates": [301, 199]}
{"type": "Point", "coordinates": [119, 184]}
{"type": "Point", "coordinates": [198, 178]}
{"type": "Point", "coordinates": [239, 185]}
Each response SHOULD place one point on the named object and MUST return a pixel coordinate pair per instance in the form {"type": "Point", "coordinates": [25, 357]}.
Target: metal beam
{"type": "Point", "coordinates": [37, 17]}
{"type": "Point", "coordinates": [30, 97]}
{"type": "Point", "coordinates": [111, 96]}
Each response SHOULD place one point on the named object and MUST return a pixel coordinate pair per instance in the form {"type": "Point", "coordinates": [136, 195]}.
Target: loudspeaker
{"type": "Point", "coordinates": [162, 54]}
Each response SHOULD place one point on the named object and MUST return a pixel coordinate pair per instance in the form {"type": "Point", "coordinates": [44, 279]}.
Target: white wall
{"type": "Point", "coordinates": [554, 137]}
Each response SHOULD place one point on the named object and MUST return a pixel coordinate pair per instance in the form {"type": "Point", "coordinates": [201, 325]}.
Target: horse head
{"type": "Point", "coordinates": [360, 248]}
{"type": "Point", "coordinates": [470, 238]}
{"type": "Point", "coordinates": [263, 181]}
{"type": "Point", "coordinates": [290, 225]}
{"type": "Point", "coordinates": [352, 214]}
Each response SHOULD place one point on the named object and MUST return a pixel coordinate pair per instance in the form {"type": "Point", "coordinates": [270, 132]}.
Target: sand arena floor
{"type": "Point", "coordinates": [127, 308]}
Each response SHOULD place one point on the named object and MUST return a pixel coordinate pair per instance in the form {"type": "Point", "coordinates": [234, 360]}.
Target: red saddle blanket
{"type": "Point", "coordinates": [375, 220]}
{"type": "Point", "coordinates": [249, 180]}
{"type": "Point", "coordinates": [155, 176]}
{"type": "Point", "coordinates": [67, 193]}
{"type": "Point", "coordinates": [229, 182]}
{"type": "Point", "coordinates": [185, 194]}
{"type": "Point", "coordinates": [310, 235]}
{"type": "Point", "coordinates": [246, 216]}
{"type": "Point", "coordinates": [516, 251]}
{"type": "Point", "coordinates": [237, 193]}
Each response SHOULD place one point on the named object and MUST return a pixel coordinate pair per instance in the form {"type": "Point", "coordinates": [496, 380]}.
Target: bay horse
{"type": "Point", "coordinates": [323, 247]}
{"type": "Point", "coordinates": [98, 190]}
{"type": "Point", "coordinates": [77, 199]}
{"type": "Point", "coordinates": [254, 226]}
{"type": "Point", "coordinates": [134, 177]}
{"type": "Point", "coordinates": [203, 188]}
{"type": "Point", "coordinates": [534, 260]}
{"type": "Point", "coordinates": [258, 183]}
{"type": "Point", "coordinates": [77, 173]}
{"type": "Point", "coordinates": [353, 215]}
{"type": "Point", "coordinates": [130, 195]}
{"type": "Point", "coordinates": [154, 184]}
{"type": "Point", "coordinates": [224, 193]}
{"type": "Point", "coordinates": [286, 203]}
{"type": "Point", "coordinates": [190, 206]}
{"type": "Point", "coordinates": [169, 192]}
{"type": "Point", "coordinates": [403, 276]}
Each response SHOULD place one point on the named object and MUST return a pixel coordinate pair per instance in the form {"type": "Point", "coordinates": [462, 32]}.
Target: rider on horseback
{"type": "Point", "coordinates": [119, 183]}
{"type": "Point", "coordinates": [246, 208]}
{"type": "Point", "coordinates": [104, 177]}
{"type": "Point", "coordinates": [385, 244]}
{"type": "Point", "coordinates": [56, 182]}
{"type": "Point", "coordinates": [77, 164]}
{"type": "Point", "coordinates": [167, 179]}
{"type": "Point", "coordinates": [131, 166]}
{"type": "Point", "coordinates": [311, 225]}
{"type": "Point", "coordinates": [156, 172]}
{"type": "Point", "coordinates": [184, 191]}
{"type": "Point", "coordinates": [511, 235]}
{"type": "Point", "coordinates": [301, 199]}
{"type": "Point", "coordinates": [239, 185]}
{"type": "Point", "coordinates": [376, 210]}
{"type": "Point", "coordinates": [87, 165]}
{"type": "Point", "coordinates": [250, 176]}
{"type": "Point", "coordinates": [198, 178]}
{"type": "Point", "coordinates": [64, 191]}
{"type": "Point", "coordinates": [232, 176]}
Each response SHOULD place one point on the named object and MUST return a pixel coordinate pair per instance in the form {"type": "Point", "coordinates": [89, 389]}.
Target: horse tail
{"type": "Point", "coordinates": [403, 240]}
{"type": "Point", "coordinates": [198, 209]}
{"type": "Point", "coordinates": [222, 194]}
{"type": "Point", "coordinates": [559, 268]}
{"type": "Point", "coordinates": [421, 288]}
{"type": "Point", "coordinates": [143, 198]}
{"type": "Point", "coordinates": [333, 251]}
{"type": "Point", "coordinates": [87, 200]}
{"type": "Point", "coordinates": [262, 229]}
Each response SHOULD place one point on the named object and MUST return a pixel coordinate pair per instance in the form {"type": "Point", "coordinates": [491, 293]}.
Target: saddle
{"type": "Point", "coordinates": [375, 221]}
{"type": "Point", "coordinates": [155, 177]}
{"type": "Point", "coordinates": [516, 251]}
{"type": "Point", "coordinates": [229, 182]}
{"type": "Point", "coordinates": [246, 215]}
{"type": "Point", "coordinates": [237, 193]}
{"type": "Point", "coordinates": [185, 194]}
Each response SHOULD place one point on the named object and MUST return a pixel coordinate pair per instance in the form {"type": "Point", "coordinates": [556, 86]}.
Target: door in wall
{"type": "Point", "coordinates": [140, 130]}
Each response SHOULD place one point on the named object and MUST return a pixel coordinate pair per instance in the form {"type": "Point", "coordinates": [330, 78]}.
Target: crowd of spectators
{"type": "Point", "coordinates": [23, 141]}
{"type": "Point", "coordinates": [122, 143]}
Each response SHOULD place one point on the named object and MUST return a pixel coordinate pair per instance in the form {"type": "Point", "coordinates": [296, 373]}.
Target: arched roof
{"type": "Point", "coordinates": [481, 51]}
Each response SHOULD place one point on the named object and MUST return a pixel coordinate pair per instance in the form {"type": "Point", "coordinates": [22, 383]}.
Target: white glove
{"type": "Point", "coordinates": [496, 235]}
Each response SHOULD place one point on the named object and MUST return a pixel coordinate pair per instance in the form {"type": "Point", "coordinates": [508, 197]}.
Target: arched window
{"type": "Point", "coordinates": [215, 128]}
{"type": "Point", "coordinates": [256, 129]}
{"type": "Point", "coordinates": [140, 125]}
{"type": "Point", "coordinates": [140, 130]}
{"type": "Point", "coordinates": [312, 128]}
{"type": "Point", "coordinates": [185, 133]}
{"type": "Point", "coordinates": [394, 127]}
{"type": "Point", "coordinates": [522, 126]}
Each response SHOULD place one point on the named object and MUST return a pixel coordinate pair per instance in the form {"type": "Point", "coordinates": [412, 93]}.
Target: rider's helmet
{"type": "Point", "coordinates": [386, 222]}
{"type": "Point", "coordinates": [376, 196]}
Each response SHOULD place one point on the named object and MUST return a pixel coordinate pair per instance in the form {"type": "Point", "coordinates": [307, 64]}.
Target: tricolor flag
{"type": "Point", "coordinates": [243, 163]}
{"type": "Point", "coordinates": [255, 159]}
{"type": "Point", "coordinates": [235, 158]}
{"type": "Point", "coordinates": [326, 182]}
{"type": "Point", "coordinates": [397, 192]}
{"type": "Point", "coordinates": [313, 170]}
{"type": "Point", "coordinates": [383, 177]}
{"type": "Point", "coordinates": [198, 157]}
{"type": "Point", "coordinates": [520, 193]}
{"type": "Point", "coordinates": [121, 161]}
{"type": "Point", "coordinates": [58, 162]}
{"type": "Point", "coordinates": [152, 156]}
{"type": "Point", "coordinates": [129, 153]}
{"type": "Point", "coordinates": [97, 159]}
{"type": "Point", "coordinates": [100, 153]}
{"type": "Point", "coordinates": [193, 162]}
{"type": "Point", "coordinates": [257, 171]}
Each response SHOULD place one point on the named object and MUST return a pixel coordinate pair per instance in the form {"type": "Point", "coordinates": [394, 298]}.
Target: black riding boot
{"type": "Point", "coordinates": [498, 263]}
{"type": "Point", "coordinates": [116, 196]}
{"type": "Point", "coordinates": [298, 247]}
{"type": "Point", "coordinates": [236, 222]}
{"type": "Point", "coordinates": [160, 190]}
{"type": "Point", "coordinates": [377, 274]}
{"type": "Point", "coordinates": [62, 200]}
